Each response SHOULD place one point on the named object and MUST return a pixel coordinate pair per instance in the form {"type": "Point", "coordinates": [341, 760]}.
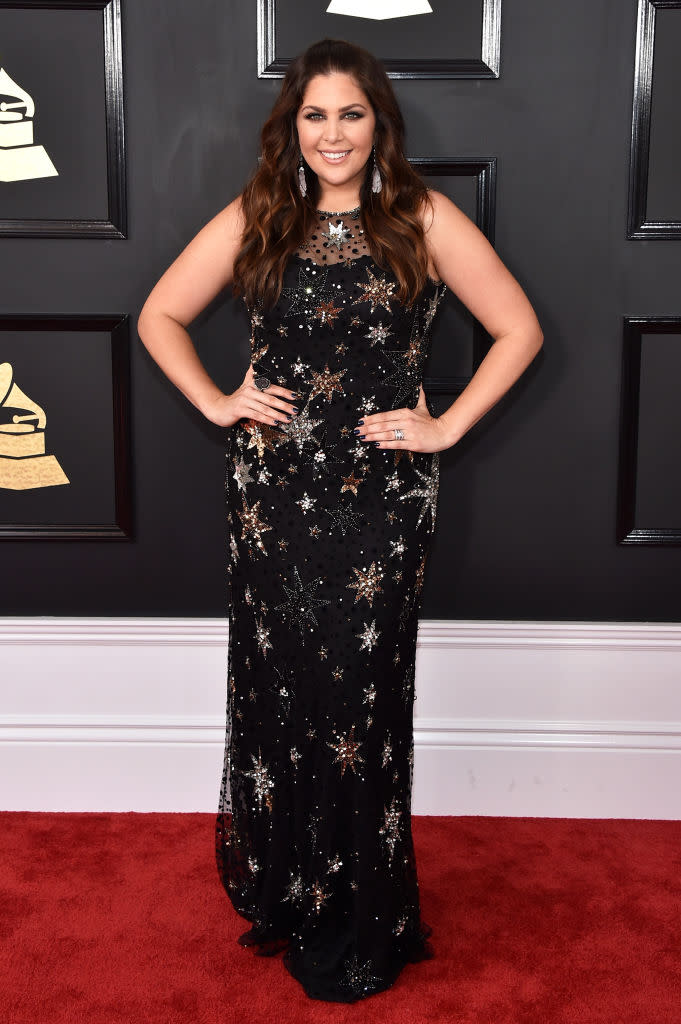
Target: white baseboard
{"type": "Point", "coordinates": [520, 719]}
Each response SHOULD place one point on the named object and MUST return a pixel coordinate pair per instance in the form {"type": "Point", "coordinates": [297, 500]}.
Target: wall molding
{"type": "Point", "coordinates": [566, 719]}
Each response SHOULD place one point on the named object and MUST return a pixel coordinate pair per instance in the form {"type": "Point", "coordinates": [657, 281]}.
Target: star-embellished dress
{"type": "Point", "coordinates": [329, 537]}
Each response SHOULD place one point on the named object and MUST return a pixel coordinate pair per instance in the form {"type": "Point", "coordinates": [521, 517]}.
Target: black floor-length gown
{"type": "Point", "coordinates": [328, 541]}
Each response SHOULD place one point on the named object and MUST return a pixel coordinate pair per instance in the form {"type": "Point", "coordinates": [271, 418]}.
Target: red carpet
{"type": "Point", "coordinates": [110, 918]}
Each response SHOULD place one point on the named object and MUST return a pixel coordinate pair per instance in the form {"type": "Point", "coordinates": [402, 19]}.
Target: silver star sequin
{"type": "Point", "coordinates": [336, 234]}
{"type": "Point", "coordinates": [263, 781]}
{"type": "Point", "coordinates": [428, 491]}
{"type": "Point", "coordinates": [390, 829]}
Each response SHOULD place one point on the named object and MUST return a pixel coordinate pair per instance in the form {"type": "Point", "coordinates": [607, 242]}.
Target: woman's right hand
{"type": "Point", "coordinates": [272, 406]}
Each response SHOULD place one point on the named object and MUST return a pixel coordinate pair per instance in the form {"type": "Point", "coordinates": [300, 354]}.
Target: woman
{"type": "Point", "coordinates": [342, 256]}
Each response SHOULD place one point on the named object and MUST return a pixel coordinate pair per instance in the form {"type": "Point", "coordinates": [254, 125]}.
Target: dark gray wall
{"type": "Point", "coordinates": [528, 499]}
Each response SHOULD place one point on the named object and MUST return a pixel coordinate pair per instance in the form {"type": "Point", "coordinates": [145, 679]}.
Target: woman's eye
{"type": "Point", "coordinates": [352, 114]}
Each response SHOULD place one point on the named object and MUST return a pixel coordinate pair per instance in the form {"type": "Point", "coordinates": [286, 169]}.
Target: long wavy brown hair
{"type": "Point", "coordinates": [277, 217]}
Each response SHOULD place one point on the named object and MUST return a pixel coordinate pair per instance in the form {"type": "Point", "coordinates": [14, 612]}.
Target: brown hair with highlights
{"type": "Point", "coordinates": [277, 217]}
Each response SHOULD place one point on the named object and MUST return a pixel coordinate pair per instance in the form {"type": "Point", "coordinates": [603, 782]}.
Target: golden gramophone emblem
{"type": "Point", "coordinates": [23, 462]}
{"type": "Point", "coordinates": [20, 158]}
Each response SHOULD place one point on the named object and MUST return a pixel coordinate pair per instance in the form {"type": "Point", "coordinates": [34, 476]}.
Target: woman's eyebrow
{"type": "Point", "coordinates": [311, 106]}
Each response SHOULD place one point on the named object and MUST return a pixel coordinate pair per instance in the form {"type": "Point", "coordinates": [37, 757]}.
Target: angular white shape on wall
{"type": "Point", "coordinates": [379, 10]}
{"type": "Point", "coordinates": [20, 159]}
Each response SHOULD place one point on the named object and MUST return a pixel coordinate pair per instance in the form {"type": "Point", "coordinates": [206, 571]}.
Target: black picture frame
{"type": "Point", "coordinates": [114, 374]}
{"type": "Point", "coordinates": [634, 328]}
{"type": "Point", "coordinates": [487, 65]}
{"type": "Point", "coordinates": [113, 223]}
{"type": "Point", "coordinates": [638, 224]}
{"type": "Point", "coordinates": [484, 171]}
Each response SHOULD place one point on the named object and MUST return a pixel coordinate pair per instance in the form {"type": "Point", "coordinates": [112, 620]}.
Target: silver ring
{"type": "Point", "coordinates": [262, 383]}
{"type": "Point", "coordinates": [399, 434]}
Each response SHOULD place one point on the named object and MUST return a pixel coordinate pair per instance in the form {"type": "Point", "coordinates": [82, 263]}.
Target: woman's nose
{"type": "Point", "coordinates": [332, 131]}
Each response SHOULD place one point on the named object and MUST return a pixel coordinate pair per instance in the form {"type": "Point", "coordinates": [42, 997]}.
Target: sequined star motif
{"type": "Point", "coordinates": [370, 636]}
{"type": "Point", "coordinates": [307, 502]}
{"type": "Point", "coordinates": [262, 635]}
{"type": "Point", "coordinates": [350, 482]}
{"type": "Point", "coordinates": [345, 518]}
{"type": "Point", "coordinates": [326, 382]}
{"type": "Point", "coordinates": [346, 750]}
{"type": "Point", "coordinates": [336, 234]}
{"type": "Point", "coordinates": [428, 491]}
{"type": "Point", "coordinates": [301, 602]}
{"type": "Point", "coordinates": [253, 526]}
{"type": "Point", "coordinates": [387, 751]}
{"type": "Point", "coordinates": [377, 291]}
{"type": "Point", "coordinates": [300, 430]}
{"type": "Point", "coordinates": [366, 583]}
{"type": "Point", "coordinates": [319, 896]}
{"type": "Point", "coordinates": [294, 890]}
{"type": "Point", "coordinates": [390, 827]}
{"type": "Point", "coordinates": [404, 378]}
{"type": "Point", "coordinates": [262, 436]}
{"type": "Point", "coordinates": [370, 694]}
{"type": "Point", "coordinates": [242, 474]}
{"type": "Point", "coordinates": [327, 313]}
{"type": "Point", "coordinates": [311, 283]}
{"type": "Point", "coordinates": [359, 976]}
{"type": "Point", "coordinates": [263, 781]}
{"type": "Point", "coordinates": [335, 864]}
{"type": "Point", "coordinates": [378, 333]}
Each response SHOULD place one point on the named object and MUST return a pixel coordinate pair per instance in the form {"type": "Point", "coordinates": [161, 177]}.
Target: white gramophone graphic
{"type": "Point", "coordinates": [23, 462]}
{"type": "Point", "coordinates": [20, 159]}
{"type": "Point", "coordinates": [379, 10]}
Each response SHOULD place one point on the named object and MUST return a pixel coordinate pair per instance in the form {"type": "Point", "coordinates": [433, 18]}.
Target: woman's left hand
{"type": "Point", "coordinates": [422, 432]}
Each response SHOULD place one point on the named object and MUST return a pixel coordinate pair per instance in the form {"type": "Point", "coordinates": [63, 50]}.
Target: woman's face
{"type": "Point", "coordinates": [336, 126]}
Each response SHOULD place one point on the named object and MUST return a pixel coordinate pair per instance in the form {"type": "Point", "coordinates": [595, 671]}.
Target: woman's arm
{"type": "Point", "coordinates": [468, 264]}
{"type": "Point", "coordinates": [189, 284]}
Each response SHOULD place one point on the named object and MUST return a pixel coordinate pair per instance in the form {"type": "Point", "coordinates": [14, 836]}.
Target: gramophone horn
{"type": "Point", "coordinates": [13, 397]}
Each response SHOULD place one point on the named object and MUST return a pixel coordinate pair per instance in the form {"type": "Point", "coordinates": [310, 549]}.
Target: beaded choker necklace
{"type": "Point", "coordinates": [340, 213]}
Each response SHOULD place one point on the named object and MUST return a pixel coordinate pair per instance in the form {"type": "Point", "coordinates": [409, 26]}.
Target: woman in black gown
{"type": "Point", "coordinates": [342, 256]}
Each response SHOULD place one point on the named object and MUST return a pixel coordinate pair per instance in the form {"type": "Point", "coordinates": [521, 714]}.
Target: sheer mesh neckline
{"type": "Point", "coordinates": [335, 238]}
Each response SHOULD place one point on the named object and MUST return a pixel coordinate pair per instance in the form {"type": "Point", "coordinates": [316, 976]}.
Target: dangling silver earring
{"type": "Point", "coordinates": [376, 183]}
{"type": "Point", "coordinates": [302, 183]}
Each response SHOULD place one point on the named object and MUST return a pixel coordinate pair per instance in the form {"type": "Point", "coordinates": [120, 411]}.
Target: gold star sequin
{"type": "Point", "coordinates": [261, 436]}
{"type": "Point", "coordinates": [350, 483]}
{"type": "Point", "coordinates": [377, 292]}
{"type": "Point", "coordinates": [346, 750]}
{"type": "Point", "coordinates": [253, 526]}
{"type": "Point", "coordinates": [326, 382]}
{"type": "Point", "coordinates": [319, 896]}
{"type": "Point", "coordinates": [367, 583]}
{"type": "Point", "coordinates": [327, 313]}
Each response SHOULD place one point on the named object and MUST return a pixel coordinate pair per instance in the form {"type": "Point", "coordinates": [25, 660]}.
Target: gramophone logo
{"type": "Point", "coordinates": [379, 10]}
{"type": "Point", "coordinates": [20, 159]}
{"type": "Point", "coordinates": [23, 462]}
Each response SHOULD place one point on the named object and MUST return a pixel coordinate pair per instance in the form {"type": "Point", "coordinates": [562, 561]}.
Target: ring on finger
{"type": "Point", "coordinates": [261, 383]}
{"type": "Point", "coordinates": [399, 434]}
